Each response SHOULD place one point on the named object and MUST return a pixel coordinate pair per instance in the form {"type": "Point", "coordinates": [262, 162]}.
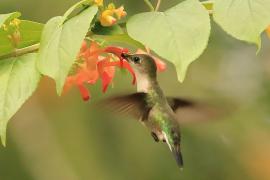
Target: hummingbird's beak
{"type": "Point", "coordinates": [177, 155]}
{"type": "Point", "coordinates": [126, 56]}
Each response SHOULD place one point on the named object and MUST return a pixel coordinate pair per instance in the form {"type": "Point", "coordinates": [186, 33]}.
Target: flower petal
{"type": "Point", "coordinates": [124, 65]}
{"type": "Point", "coordinates": [107, 77]}
{"type": "Point", "coordinates": [116, 51]}
{"type": "Point", "coordinates": [84, 92]}
{"type": "Point", "coordinates": [120, 12]}
{"type": "Point", "coordinates": [106, 18]}
{"type": "Point", "coordinates": [161, 66]}
{"type": "Point", "coordinates": [268, 31]}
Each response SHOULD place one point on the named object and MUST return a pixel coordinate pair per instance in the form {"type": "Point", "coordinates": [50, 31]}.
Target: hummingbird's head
{"type": "Point", "coordinates": [172, 138]}
{"type": "Point", "coordinates": [142, 64]}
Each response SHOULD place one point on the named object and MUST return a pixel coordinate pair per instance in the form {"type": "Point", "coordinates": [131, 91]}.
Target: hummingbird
{"type": "Point", "coordinates": [151, 107]}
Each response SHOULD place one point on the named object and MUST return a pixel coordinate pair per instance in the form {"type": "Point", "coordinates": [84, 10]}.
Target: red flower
{"type": "Point", "coordinates": [92, 66]}
{"type": "Point", "coordinates": [106, 72]}
{"type": "Point", "coordinates": [268, 31]}
{"type": "Point", "coordinates": [94, 62]}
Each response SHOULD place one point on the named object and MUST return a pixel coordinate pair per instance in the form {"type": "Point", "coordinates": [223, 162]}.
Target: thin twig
{"type": "Point", "coordinates": [208, 5]}
{"type": "Point", "coordinates": [20, 52]}
{"type": "Point", "coordinates": [147, 50]}
{"type": "Point", "coordinates": [158, 5]}
{"type": "Point", "coordinates": [149, 4]}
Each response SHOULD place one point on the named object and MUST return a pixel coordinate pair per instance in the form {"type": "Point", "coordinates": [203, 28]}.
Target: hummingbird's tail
{"type": "Point", "coordinates": [178, 155]}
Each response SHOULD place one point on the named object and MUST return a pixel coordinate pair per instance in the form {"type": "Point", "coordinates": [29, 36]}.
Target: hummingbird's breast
{"type": "Point", "coordinates": [161, 118]}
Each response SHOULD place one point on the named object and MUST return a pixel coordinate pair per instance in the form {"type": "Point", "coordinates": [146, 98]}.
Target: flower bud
{"type": "Point", "coordinates": [107, 19]}
{"type": "Point", "coordinates": [98, 2]}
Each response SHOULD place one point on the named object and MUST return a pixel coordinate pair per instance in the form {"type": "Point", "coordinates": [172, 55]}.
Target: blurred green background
{"type": "Point", "coordinates": [65, 138]}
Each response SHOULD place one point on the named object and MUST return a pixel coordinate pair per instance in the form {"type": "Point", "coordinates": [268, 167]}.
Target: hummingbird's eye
{"type": "Point", "coordinates": [136, 59]}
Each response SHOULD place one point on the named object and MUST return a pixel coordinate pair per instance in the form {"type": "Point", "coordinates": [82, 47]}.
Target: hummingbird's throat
{"type": "Point", "coordinates": [143, 83]}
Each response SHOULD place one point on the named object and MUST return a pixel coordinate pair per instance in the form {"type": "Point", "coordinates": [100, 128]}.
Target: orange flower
{"type": "Point", "coordinates": [106, 72]}
{"type": "Point", "coordinates": [268, 31]}
{"type": "Point", "coordinates": [92, 66]}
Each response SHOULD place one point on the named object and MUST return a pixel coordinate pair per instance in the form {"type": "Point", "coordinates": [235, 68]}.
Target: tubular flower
{"type": "Point", "coordinates": [268, 31]}
{"type": "Point", "coordinates": [106, 72]}
{"type": "Point", "coordinates": [161, 66]}
{"type": "Point", "coordinates": [91, 66]}
{"type": "Point", "coordinates": [109, 15]}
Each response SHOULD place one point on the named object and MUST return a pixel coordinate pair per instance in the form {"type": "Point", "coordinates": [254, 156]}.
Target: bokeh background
{"type": "Point", "coordinates": [65, 138]}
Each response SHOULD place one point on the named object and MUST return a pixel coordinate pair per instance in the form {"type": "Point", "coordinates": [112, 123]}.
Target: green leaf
{"type": "Point", "coordinates": [19, 79]}
{"type": "Point", "coordinates": [243, 19]}
{"type": "Point", "coordinates": [8, 17]}
{"type": "Point", "coordinates": [179, 34]}
{"type": "Point", "coordinates": [121, 38]}
{"type": "Point", "coordinates": [74, 7]}
{"type": "Point", "coordinates": [30, 33]}
{"type": "Point", "coordinates": [111, 30]}
{"type": "Point", "coordinates": [60, 45]}
{"type": "Point", "coordinates": [5, 45]}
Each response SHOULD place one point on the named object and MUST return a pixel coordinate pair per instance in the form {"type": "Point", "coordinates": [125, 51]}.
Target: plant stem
{"type": "Point", "coordinates": [22, 51]}
{"type": "Point", "coordinates": [149, 4]}
{"type": "Point", "coordinates": [147, 50]}
{"type": "Point", "coordinates": [208, 6]}
{"type": "Point", "coordinates": [158, 5]}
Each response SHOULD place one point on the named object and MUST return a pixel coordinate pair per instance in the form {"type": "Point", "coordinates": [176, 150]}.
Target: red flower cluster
{"type": "Point", "coordinates": [94, 62]}
{"type": "Point", "coordinates": [92, 65]}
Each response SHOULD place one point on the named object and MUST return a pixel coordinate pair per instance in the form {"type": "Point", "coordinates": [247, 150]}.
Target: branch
{"type": "Point", "coordinates": [208, 6]}
{"type": "Point", "coordinates": [22, 51]}
{"type": "Point", "coordinates": [158, 5]}
{"type": "Point", "coordinates": [148, 3]}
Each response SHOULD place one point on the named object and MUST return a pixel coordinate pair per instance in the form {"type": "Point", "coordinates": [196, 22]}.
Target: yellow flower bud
{"type": "Point", "coordinates": [120, 12]}
{"type": "Point", "coordinates": [111, 6]}
{"type": "Point", "coordinates": [15, 22]}
{"type": "Point", "coordinates": [99, 2]}
{"type": "Point", "coordinates": [4, 27]}
{"type": "Point", "coordinates": [109, 15]}
{"type": "Point", "coordinates": [106, 18]}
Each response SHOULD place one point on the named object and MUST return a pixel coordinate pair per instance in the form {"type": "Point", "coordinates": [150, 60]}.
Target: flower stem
{"type": "Point", "coordinates": [149, 4]}
{"type": "Point", "coordinates": [20, 52]}
{"type": "Point", "coordinates": [208, 6]}
{"type": "Point", "coordinates": [158, 5]}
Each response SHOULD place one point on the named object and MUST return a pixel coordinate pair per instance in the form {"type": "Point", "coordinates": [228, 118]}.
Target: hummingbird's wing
{"type": "Point", "coordinates": [187, 111]}
{"type": "Point", "coordinates": [134, 105]}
